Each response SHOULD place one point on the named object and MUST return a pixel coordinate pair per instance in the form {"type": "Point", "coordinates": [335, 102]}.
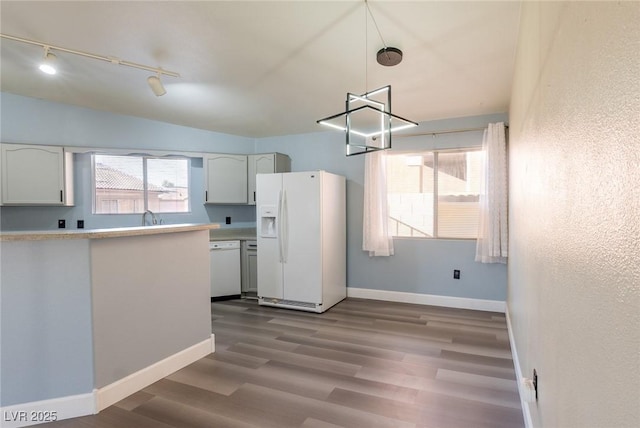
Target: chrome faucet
{"type": "Point", "coordinates": [154, 220]}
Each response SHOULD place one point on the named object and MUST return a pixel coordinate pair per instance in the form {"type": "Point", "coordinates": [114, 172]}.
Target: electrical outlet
{"type": "Point", "coordinates": [456, 274]}
{"type": "Point", "coordinates": [227, 220]}
{"type": "Point", "coordinates": [535, 383]}
{"type": "Point", "coordinates": [62, 224]}
{"type": "Point", "coordinates": [80, 224]}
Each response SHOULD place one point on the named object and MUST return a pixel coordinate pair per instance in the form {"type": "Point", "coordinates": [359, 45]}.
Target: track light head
{"type": "Point", "coordinates": [48, 63]}
{"type": "Point", "coordinates": [156, 85]}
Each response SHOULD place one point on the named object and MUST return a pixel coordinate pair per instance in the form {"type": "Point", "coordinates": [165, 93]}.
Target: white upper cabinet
{"type": "Point", "coordinates": [231, 179]}
{"type": "Point", "coordinates": [225, 179]}
{"type": "Point", "coordinates": [266, 163]}
{"type": "Point", "coordinates": [36, 175]}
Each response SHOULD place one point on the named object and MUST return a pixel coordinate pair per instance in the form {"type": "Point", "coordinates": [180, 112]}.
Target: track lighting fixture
{"type": "Point", "coordinates": [48, 64]}
{"type": "Point", "coordinates": [156, 85]}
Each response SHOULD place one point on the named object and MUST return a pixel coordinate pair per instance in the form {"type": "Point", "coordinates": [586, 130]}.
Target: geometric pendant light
{"type": "Point", "coordinates": [367, 120]}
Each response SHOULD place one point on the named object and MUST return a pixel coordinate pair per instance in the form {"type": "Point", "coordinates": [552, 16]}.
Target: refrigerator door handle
{"type": "Point", "coordinates": [279, 230]}
{"type": "Point", "coordinates": [285, 227]}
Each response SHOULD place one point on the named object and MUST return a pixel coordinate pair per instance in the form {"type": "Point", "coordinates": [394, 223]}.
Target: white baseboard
{"type": "Point", "coordinates": [73, 406]}
{"type": "Point", "coordinates": [26, 414]}
{"type": "Point", "coordinates": [526, 413]}
{"type": "Point", "coordinates": [111, 394]}
{"type": "Point", "coordinates": [37, 412]}
{"type": "Point", "coordinates": [428, 299]}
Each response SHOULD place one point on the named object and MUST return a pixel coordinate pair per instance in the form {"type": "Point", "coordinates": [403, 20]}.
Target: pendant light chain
{"type": "Point", "coordinates": [366, 46]}
{"type": "Point", "coordinates": [386, 49]}
{"type": "Point", "coordinates": [376, 24]}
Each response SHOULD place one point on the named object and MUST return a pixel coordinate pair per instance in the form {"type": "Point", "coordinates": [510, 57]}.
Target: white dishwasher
{"type": "Point", "coordinates": [225, 268]}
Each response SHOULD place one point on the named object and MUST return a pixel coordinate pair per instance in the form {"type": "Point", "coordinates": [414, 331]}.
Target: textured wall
{"type": "Point", "coordinates": [574, 267]}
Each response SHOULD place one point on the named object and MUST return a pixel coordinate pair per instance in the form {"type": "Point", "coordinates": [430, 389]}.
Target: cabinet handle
{"type": "Point", "coordinates": [206, 195]}
{"type": "Point", "coordinates": [254, 196]}
{"type": "Point", "coordinates": [61, 200]}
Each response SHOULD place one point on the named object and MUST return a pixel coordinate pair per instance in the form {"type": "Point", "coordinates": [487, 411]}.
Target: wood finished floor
{"type": "Point", "coordinates": [361, 364]}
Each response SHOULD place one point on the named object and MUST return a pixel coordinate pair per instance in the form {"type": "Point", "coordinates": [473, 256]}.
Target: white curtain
{"type": "Point", "coordinates": [492, 244]}
{"type": "Point", "coordinates": [375, 223]}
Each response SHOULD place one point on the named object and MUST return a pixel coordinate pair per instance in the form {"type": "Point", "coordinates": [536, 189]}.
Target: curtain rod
{"type": "Point", "coordinates": [453, 131]}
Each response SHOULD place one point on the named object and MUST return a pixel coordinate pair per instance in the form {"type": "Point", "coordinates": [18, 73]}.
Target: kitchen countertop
{"type": "Point", "coordinates": [240, 234]}
{"type": "Point", "coordinates": [41, 235]}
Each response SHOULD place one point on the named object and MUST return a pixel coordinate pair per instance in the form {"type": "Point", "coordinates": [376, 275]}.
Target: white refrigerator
{"type": "Point", "coordinates": [301, 233]}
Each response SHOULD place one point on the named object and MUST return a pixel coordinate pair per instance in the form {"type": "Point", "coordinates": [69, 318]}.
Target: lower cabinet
{"type": "Point", "coordinates": [250, 269]}
{"type": "Point", "coordinates": [226, 272]}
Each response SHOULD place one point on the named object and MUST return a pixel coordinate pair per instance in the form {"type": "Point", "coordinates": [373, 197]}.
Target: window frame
{"type": "Point", "coordinates": [145, 183]}
{"type": "Point", "coordinates": [435, 153]}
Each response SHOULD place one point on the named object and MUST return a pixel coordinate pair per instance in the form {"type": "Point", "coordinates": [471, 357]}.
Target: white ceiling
{"type": "Point", "coordinates": [264, 68]}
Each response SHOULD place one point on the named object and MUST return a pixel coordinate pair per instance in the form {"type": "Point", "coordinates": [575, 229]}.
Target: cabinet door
{"type": "Point", "coordinates": [1, 178]}
{"type": "Point", "coordinates": [252, 286]}
{"type": "Point", "coordinates": [258, 164]}
{"type": "Point", "coordinates": [33, 175]}
{"type": "Point", "coordinates": [249, 268]}
{"type": "Point", "coordinates": [225, 179]}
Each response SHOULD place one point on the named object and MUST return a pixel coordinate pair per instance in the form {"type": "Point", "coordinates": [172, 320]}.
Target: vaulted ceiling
{"type": "Point", "coordinates": [264, 68]}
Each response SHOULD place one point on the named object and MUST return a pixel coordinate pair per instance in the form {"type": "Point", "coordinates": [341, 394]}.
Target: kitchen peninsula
{"type": "Point", "coordinates": [91, 316]}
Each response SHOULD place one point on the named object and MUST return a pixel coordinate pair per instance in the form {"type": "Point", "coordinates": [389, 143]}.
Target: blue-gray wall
{"type": "Point", "coordinates": [46, 336]}
{"type": "Point", "coordinates": [419, 266]}
{"type": "Point", "coordinates": [32, 121]}
{"type": "Point", "coordinates": [423, 266]}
